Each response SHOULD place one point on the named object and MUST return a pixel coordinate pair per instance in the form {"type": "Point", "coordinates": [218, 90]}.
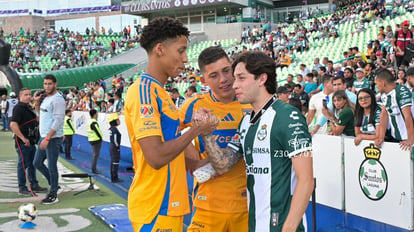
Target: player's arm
{"type": "Point", "coordinates": [309, 117]}
{"type": "Point", "coordinates": [382, 128]}
{"type": "Point", "coordinates": [302, 165]}
{"type": "Point", "coordinates": [406, 144]}
{"type": "Point", "coordinates": [221, 160]}
{"type": "Point", "coordinates": [158, 153]}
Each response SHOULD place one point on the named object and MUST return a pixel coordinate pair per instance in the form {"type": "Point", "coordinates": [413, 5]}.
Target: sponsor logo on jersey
{"type": "Point", "coordinates": [228, 118]}
{"type": "Point", "coordinates": [294, 115]}
{"type": "Point", "coordinates": [261, 150]}
{"type": "Point", "coordinates": [251, 169]}
{"type": "Point", "coordinates": [149, 123]}
{"type": "Point", "coordinates": [146, 111]}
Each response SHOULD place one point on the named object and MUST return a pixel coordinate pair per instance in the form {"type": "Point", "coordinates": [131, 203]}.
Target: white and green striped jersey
{"type": "Point", "coordinates": [370, 128]}
{"type": "Point", "coordinates": [389, 4]}
{"type": "Point", "coordinates": [268, 141]}
{"type": "Point", "coordinates": [393, 102]}
{"type": "Point", "coordinates": [364, 83]}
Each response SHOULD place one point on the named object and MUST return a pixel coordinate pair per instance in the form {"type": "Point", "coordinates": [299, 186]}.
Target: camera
{"type": "Point", "coordinates": [40, 92]}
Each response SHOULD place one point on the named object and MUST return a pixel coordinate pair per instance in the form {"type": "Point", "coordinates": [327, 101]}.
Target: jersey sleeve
{"type": "Point", "coordinates": [186, 112]}
{"type": "Point", "coordinates": [297, 138]}
{"type": "Point", "coordinates": [377, 115]}
{"type": "Point", "coordinates": [144, 112]}
{"type": "Point", "coordinates": [403, 96]}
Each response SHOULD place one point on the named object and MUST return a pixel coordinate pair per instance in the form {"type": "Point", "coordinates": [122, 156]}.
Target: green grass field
{"type": "Point", "coordinates": [69, 214]}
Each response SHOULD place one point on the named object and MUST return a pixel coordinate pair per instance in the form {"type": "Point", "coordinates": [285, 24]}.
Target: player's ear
{"type": "Point", "coordinates": [202, 80]}
{"type": "Point", "coordinates": [159, 49]}
{"type": "Point", "coordinates": [263, 78]}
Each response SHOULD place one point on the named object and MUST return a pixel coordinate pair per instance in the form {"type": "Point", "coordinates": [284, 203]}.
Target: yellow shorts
{"type": "Point", "coordinates": [207, 221]}
{"type": "Point", "coordinates": [161, 223]}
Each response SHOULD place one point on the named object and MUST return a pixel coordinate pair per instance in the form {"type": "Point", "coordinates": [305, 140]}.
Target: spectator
{"type": "Point", "coordinates": [402, 39]}
{"type": "Point", "coordinates": [316, 105]}
{"type": "Point", "coordinates": [177, 98]}
{"type": "Point", "coordinates": [299, 93]}
{"type": "Point", "coordinates": [283, 94]}
{"type": "Point", "coordinates": [401, 77]}
{"type": "Point", "coordinates": [310, 85]}
{"type": "Point", "coordinates": [290, 82]}
{"type": "Point", "coordinates": [51, 118]}
{"type": "Point", "coordinates": [11, 103]}
{"type": "Point", "coordinates": [3, 106]}
{"type": "Point", "coordinates": [343, 122]}
{"type": "Point", "coordinates": [304, 70]}
{"type": "Point", "coordinates": [25, 128]}
{"type": "Point", "coordinates": [361, 82]}
{"type": "Point", "coordinates": [396, 111]}
{"type": "Point", "coordinates": [349, 77]}
{"type": "Point", "coordinates": [118, 103]}
{"type": "Point", "coordinates": [316, 64]}
{"type": "Point", "coordinates": [367, 116]}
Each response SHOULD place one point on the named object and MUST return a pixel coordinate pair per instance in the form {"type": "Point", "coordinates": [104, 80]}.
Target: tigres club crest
{"type": "Point", "coordinates": [373, 178]}
{"type": "Point", "coordinates": [262, 133]}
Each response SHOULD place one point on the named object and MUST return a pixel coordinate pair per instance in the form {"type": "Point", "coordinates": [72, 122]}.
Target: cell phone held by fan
{"type": "Point", "coordinates": [325, 103]}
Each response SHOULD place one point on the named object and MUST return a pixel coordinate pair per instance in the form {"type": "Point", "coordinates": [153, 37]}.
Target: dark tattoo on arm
{"type": "Point", "coordinates": [221, 160]}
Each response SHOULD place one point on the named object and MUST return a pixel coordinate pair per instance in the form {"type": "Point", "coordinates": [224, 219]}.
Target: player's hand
{"type": "Point", "coordinates": [204, 121]}
{"type": "Point", "coordinates": [379, 141]}
{"type": "Point", "coordinates": [357, 140]}
{"type": "Point", "coordinates": [406, 145]}
{"type": "Point", "coordinates": [26, 142]}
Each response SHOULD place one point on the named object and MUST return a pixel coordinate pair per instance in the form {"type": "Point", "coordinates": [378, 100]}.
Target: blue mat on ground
{"type": "Point", "coordinates": [114, 215]}
{"type": "Point", "coordinates": [82, 152]}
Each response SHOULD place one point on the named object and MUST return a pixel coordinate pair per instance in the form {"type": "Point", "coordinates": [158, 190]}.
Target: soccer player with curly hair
{"type": "Point", "coordinates": [158, 196]}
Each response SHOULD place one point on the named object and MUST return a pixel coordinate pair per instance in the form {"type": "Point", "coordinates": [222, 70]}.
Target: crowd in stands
{"type": "Point", "coordinates": [51, 49]}
{"type": "Point", "coordinates": [333, 95]}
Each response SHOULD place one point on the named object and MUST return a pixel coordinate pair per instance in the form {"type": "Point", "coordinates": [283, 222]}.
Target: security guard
{"type": "Point", "coordinates": [68, 131]}
{"type": "Point", "coordinates": [95, 139]}
{"type": "Point", "coordinates": [115, 147]}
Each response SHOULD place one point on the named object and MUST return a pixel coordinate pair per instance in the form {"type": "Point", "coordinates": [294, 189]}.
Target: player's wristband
{"type": "Point", "coordinates": [204, 173]}
{"type": "Point", "coordinates": [48, 140]}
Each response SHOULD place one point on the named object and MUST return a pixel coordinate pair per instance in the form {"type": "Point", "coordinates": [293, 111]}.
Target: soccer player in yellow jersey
{"type": "Point", "coordinates": [220, 204]}
{"type": "Point", "coordinates": [158, 196]}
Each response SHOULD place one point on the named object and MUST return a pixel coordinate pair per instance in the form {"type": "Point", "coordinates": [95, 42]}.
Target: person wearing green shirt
{"type": "Point", "coordinates": [343, 122]}
{"type": "Point", "coordinates": [367, 116]}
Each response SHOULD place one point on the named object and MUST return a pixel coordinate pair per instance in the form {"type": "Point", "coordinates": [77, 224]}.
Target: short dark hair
{"type": "Point", "coordinates": [192, 88]}
{"type": "Point", "coordinates": [385, 75]}
{"type": "Point", "coordinates": [92, 112]}
{"type": "Point", "coordinates": [296, 103]}
{"type": "Point", "coordinates": [323, 69]}
{"type": "Point", "coordinates": [211, 55]}
{"type": "Point", "coordinates": [174, 90]}
{"type": "Point", "coordinates": [111, 100]}
{"type": "Point", "coordinates": [161, 29]}
{"type": "Point", "coordinates": [339, 78]}
{"type": "Point", "coordinates": [326, 78]}
{"type": "Point", "coordinates": [67, 111]}
{"type": "Point", "coordinates": [22, 89]}
{"type": "Point", "coordinates": [50, 77]}
{"type": "Point", "coordinates": [310, 75]}
{"type": "Point", "coordinates": [258, 63]}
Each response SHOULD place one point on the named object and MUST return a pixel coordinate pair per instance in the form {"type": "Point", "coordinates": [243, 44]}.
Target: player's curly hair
{"type": "Point", "coordinates": [161, 29]}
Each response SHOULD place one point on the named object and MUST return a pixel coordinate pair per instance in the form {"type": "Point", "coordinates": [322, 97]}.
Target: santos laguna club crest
{"type": "Point", "coordinates": [372, 175]}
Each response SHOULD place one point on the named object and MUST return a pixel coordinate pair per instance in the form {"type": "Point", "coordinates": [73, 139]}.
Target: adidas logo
{"type": "Point", "coordinates": [228, 118]}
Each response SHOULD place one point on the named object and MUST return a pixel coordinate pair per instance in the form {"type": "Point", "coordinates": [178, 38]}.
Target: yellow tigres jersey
{"type": "Point", "coordinates": [225, 193]}
{"type": "Point", "coordinates": [149, 111]}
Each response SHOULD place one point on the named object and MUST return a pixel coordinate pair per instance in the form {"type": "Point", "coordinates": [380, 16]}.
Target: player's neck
{"type": "Point", "coordinates": [156, 72]}
{"type": "Point", "coordinates": [261, 101]}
